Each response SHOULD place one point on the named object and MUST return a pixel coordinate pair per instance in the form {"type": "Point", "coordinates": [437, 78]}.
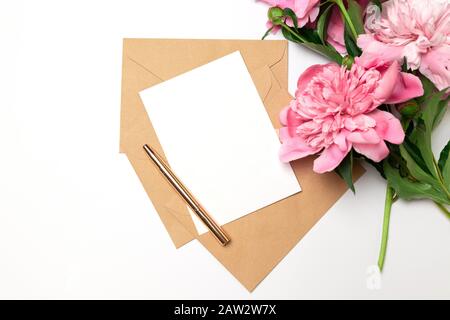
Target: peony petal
{"type": "Point", "coordinates": [412, 56]}
{"type": "Point", "coordinates": [314, 13]}
{"type": "Point", "coordinates": [285, 134]}
{"type": "Point", "coordinates": [300, 8]}
{"type": "Point", "coordinates": [302, 21]}
{"type": "Point", "coordinates": [308, 74]}
{"type": "Point", "coordinates": [360, 121]}
{"type": "Point", "coordinates": [436, 66]}
{"type": "Point", "coordinates": [407, 87]}
{"type": "Point", "coordinates": [388, 126]}
{"type": "Point", "coordinates": [330, 158]}
{"type": "Point", "coordinates": [375, 52]}
{"type": "Point", "coordinates": [387, 83]}
{"type": "Point", "coordinates": [284, 115]}
{"type": "Point", "coordinates": [271, 2]}
{"type": "Point", "coordinates": [364, 40]}
{"type": "Point", "coordinates": [341, 140]}
{"type": "Point", "coordinates": [363, 3]}
{"type": "Point", "coordinates": [369, 136]}
{"type": "Point", "coordinates": [335, 31]}
{"type": "Point", "coordinates": [290, 118]}
{"type": "Point", "coordinates": [295, 148]}
{"type": "Point", "coordinates": [375, 152]}
{"type": "Point", "coordinates": [305, 9]}
{"type": "Point", "coordinates": [337, 45]}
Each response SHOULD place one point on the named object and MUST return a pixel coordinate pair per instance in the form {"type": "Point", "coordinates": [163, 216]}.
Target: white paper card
{"type": "Point", "coordinates": [218, 139]}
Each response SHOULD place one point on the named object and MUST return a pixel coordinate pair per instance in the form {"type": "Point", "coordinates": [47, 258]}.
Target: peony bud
{"type": "Point", "coordinates": [275, 15]}
{"type": "Point", "coordinates": [409, 109]}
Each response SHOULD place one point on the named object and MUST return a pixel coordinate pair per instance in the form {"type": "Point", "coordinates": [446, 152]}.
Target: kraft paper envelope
{"type": "Point", "coordinates": [261, 239]}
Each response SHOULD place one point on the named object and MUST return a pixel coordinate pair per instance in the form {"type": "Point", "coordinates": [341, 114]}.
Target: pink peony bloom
{"type": "Point", "coordinates": [335, 30]}
{"type": "Point", "coordinates": [306, 10]}
{"type": "Point", "coordinates": [335, 109]}
{"type": "Point", "coordinates": [418, 30]}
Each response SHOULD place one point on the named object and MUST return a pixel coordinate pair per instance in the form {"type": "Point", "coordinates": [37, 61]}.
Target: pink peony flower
{"type": "Point", "coordinates": [418, 30]}
{"type": "Point", "coordinates": [335, 30]}
{"type": "Point", "coordinates": [335, 109]}
{"type": "Point", "coordinates": [306, 10]}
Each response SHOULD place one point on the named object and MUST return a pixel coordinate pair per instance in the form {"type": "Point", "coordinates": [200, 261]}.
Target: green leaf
{"type": "Point", "coordinates": [416, 171]}
{"type": "Point", "coordinates": [377, 165]}
{"type": "Point", "coordinates": [443, 158]}
{"type": "Point", "coordinates": [288, 36]}
{"type": "Point", "coordinates": [428, 86]}
{"type": "Point", "coordinates": [409, 190]}
{"type": "Point", "coordinates": [352, 49]}
{"type": "Point", "coordinates": [423, 142]}
{"type": "Point", "coordinates": [322, 24]}
{"type": "Point", "coordinates": [444, 164]}
{"type": "Point", "coordinates": [415, 154]}
{"type": "Point", "coordinates": [396, 161]}
{"type": "Point", "coordinates": [310, 35]}
{"type": "Point", "coordinates": [356, 15]}
{"type": "Point", "coordinates": [345, 170]}
{"type": "Point", "coordinates": [428, 89]}
{"type": "Point", "coordinates": [424, 127]}
{"type": "Point", "coordinates": [327, 51]}
{"type": "Point", "coordinates": [432, 108]}
{"type": "Point", "coordinates": [288, 12]}
{"type": "Point", "coordinates": [409, 109]}
{"type": "Point", "coordinates": [442, 109]}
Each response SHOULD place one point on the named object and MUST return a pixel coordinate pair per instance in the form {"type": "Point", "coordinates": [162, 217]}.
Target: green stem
{"type": "Point", "coordinates": [267, 33]}
{"type": "Point", "coordinates": [347, 18]}
{"type": "Point", "coordinates": [443, 209]}
{"type": "Point", "coordinates": [385, 235]}
{"type": "Point", "coordinates": [296, 35]}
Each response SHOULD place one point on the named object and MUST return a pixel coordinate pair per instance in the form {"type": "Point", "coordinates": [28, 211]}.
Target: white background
{"type": "Point", "coordinates": [74, 219]}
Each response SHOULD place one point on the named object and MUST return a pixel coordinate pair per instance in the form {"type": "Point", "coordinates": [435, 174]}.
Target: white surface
{"type": "Point", "coordinates": [219, 140]}
{"type": "Point", "coordinates": [74, 219]}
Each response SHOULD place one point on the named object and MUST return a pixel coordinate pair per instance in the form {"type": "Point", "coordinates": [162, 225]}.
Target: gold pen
{"type": "Point", "coordinates": [184, 193]}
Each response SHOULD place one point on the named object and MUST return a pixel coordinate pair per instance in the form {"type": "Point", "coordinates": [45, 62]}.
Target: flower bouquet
{"type": "Point", "coordinates": [378, 100]}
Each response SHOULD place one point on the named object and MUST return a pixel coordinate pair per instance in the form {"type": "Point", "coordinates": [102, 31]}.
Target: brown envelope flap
{"type": "Point", "coordinates": [165, 58]}
{"type": "Point", "coordinates": [136, 129]}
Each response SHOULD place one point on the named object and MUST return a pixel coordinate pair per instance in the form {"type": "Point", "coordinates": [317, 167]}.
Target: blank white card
{"type": "Point", "coordinates": [219, 140]}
